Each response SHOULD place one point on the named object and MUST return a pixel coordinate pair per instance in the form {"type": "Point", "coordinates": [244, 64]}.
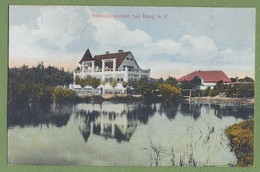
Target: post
{"type": "Point", "coordinates": [113, 129]}
{"type": "Point", "coordinates": [103, 70]}
{"type": "Point", "coordinates": [93, 67]}
{"type": "Point", "coordinates": [91, 127]}
{"type": "Point", "coordinates": [83, 67]}
{"type": "Point", "coordinates": [126, 74]}
{"type": "Point", "coordinates": [101, 128]}
{"type": "Point", "coordinates": [114, 68]}
{"type": "Point", "coordinates": [190, 95]}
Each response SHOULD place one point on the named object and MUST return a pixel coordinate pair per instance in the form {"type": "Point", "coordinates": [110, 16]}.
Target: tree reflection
{"type": "Point", "coordinates": [170, 110]}
{"type": "Point", "coordinates": [242, 112]}
{"type": "Point", "coordinates": [24, 115]}
{"type": "Point", "coordinates": [193, 110]}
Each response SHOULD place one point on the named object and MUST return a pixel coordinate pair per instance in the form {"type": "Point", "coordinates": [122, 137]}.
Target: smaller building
{"type": "Point", "coordinates": [208, 78]}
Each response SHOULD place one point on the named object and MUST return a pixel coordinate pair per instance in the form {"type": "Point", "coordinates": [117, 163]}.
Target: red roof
{"type": "Point", "coordinates": [207, 76]}
{"type": "Point", "coordinates": [120, 57]}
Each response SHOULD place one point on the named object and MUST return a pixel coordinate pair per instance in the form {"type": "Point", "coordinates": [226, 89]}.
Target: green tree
{"type": "Point", "coordinates": [104, 82]}
{"type": "Point", "coordinates": [169, 92]}
{"type": "Point", "coordinates": [95, 82]}
{"type": "Point", "coordinates": [246, 79]}
{"type": "Point", "coordinates": [171, 80]}
{"type": "Point", "coordinates": [197, 81]}
{"type": "Point", "coordinates": [61, 95]}
{"type": "Point", "coordinates": [113, 83]}
{"type": "Point", "coordinates": [220, 87]}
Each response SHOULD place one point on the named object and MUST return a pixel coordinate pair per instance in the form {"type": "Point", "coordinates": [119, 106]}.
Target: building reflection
{"type": "Point", "coordinates": [113, 125]}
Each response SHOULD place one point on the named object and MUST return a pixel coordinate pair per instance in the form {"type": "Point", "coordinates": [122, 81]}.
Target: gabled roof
{"type": "Point", "coordinates": [120, 57]}
{"type": "Point", "coordinates": [207, 76]}
{"type": "Point", "coordinates": [87, 56]}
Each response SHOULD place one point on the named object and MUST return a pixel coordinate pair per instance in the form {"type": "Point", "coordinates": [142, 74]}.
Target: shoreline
{"type": "Point", "coordinates": [241, 137]}
{"type": "Point", "coordinates": [224, 100]}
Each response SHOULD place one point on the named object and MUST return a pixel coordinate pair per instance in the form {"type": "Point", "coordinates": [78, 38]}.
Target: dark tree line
{"type": "Point", "coordinates": [37, 84]}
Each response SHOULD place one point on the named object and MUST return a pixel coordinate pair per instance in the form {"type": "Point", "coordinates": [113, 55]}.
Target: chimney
{"type": "Point", "coordinates": [107, 52]}
{"type": "Point", "coordinates": [120, 51]}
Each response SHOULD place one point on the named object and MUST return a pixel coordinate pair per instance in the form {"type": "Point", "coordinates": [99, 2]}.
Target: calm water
{"type": "Point", "coordinates": [123, 134]}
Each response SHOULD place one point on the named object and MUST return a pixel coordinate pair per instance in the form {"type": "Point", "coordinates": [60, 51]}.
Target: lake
{"type": "Point", "coordinates": [110, 134]}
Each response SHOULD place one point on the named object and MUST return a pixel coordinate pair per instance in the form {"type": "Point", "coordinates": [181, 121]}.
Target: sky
{"type": "Point", "coordinates": [171, 41]}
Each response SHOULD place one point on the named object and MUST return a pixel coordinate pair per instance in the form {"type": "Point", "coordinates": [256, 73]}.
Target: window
{"type": "Point", "coordinates": [129, 67]}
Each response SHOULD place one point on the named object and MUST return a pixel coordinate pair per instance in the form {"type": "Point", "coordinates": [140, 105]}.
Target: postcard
{"type": "Point", "coordinates": [131, 86]}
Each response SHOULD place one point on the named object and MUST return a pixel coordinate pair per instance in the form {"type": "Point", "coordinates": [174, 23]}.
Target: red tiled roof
{"type": "Point", "coordinates": [207, 76]}
{"type": "Point", "coordinates": [120, 57]}
{"type": "Point", "coordinates": [87, 56]}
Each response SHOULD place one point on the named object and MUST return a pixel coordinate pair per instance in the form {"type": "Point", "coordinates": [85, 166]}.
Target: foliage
{"type": "Point", "coordinates": [171, 80]}
{"type": "Point", "coordinates": [113, 83]}
{"type": "Point", "coordinates": [124, 84]}
{"type": "Point", "coordinates": [49, 76]}
{"type": "Point", "coordinates": [187, 85]}
{"type": "Point", "coordinates": [243, 89]}
{"type": "Point", "coordinates": [61, 95]}
{"type": "Point", "coordinates": [87, 81]}
{"type": "Point", "coordinates": [104, 82]}
{"type": "Point", "coordinates": [146, 88]}
{"type": "Point", "coordinates": [169, 92]}
{"type": "Point", "coordinates": [241, 137]}
{"type": "Point", "coordinates": [35, 85]}
{"type": "Point", "coordinates": [193, 84]}
{"type": "Point", "coordinates": [246, 79]}
{"type": "Point", "coordinates": [197, 81]}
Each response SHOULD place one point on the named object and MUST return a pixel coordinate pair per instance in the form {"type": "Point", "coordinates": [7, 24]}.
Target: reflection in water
{"type": "Point", "coordinates": [191, 109]}
{"type": "Point", "coordinates": [242, 112]}
{"type": "Point", "coordinates": [100, 134]}
{"type": "Point", "coordinates": [118, 125]}
{"type": "Point", "coordinates": [25, 115]}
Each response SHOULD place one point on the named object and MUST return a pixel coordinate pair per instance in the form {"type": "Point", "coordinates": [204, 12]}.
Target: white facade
{"type": "Point", "coordinates": [126, 71]}
{"type": "Point", "coordinates": [205, 85]}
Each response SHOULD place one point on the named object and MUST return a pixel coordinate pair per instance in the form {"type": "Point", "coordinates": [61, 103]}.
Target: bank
{"type": "Point", "coordinates": [241, 138]}
{"type": "Point", "coordinates": [223, 100]}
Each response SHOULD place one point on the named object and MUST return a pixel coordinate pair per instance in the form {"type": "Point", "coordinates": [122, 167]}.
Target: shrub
{"type": "Point", "coordinates": [61, 95]}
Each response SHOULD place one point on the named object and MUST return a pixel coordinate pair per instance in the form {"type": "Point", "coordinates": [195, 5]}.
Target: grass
{"type": "Point", "coordinates": [241, 138]}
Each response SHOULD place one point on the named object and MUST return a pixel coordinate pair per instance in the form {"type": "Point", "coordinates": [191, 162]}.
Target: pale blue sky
{"type": "Point", "coordinates": [187, 39]}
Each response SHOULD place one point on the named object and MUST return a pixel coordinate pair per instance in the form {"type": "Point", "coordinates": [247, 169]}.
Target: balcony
{"type": "Point", "coordinates": [132, 71]}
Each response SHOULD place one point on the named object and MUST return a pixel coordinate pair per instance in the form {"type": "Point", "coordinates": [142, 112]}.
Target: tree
{"type": "Point", "coordinates": [218, 88]}
{"type": "Point", "coordinates": [89, 80]}
{"type": "Point", "coordinates": [78, 80]}
{"type": "Point", "coordinates": [95, 82]}
{"type": "Point", "coordinates": [124, 84]}
{"type": "Point", "coordinates": [113, 83]}
{"type": "Point", "coordinates": [169, 92]}
{"type": "Point", "coordinates": [104, 82]}
{"type": "Point", "coordinates": [197, 81]}
{"type": "Point", "coordinates": [246, 79]}
{"type": "Point", "coordinates": [171, 80]}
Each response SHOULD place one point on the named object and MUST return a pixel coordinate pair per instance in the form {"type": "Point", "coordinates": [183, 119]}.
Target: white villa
{"type": "Point", "coordinates": [121, 65]}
